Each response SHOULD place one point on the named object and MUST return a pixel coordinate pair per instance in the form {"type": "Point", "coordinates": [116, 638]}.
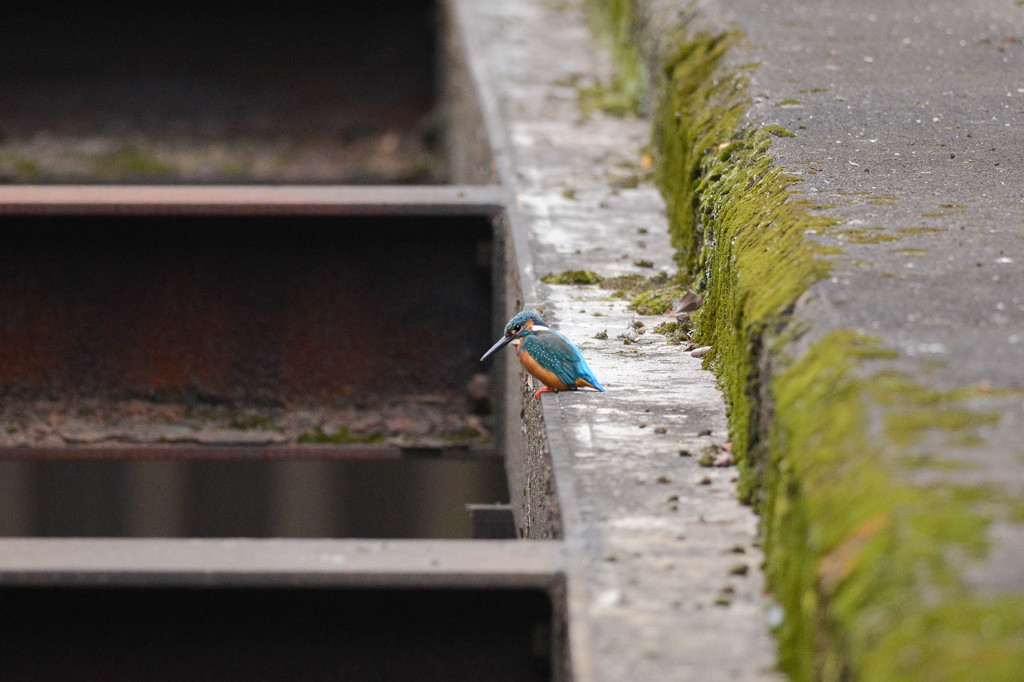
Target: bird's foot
{"type": "Point", "coordinates": [543, 390]}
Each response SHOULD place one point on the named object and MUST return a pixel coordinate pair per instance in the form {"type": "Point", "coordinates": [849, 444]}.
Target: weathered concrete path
{"type": "Point", "coordinates": [673, 586]}
{"type": "Point", "coordinates": [909, 135]}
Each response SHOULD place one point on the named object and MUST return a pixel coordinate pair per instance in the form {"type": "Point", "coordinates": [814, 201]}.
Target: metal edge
{"type": "Point", "coordinates": [285, 562]}
{"type": "Point", "coordinates": [245, 200]}
{"type": "Point", "coordinates": [195, 451]}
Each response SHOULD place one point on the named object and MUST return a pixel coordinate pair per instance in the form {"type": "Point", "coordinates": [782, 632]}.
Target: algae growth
{"type": "Point", "coordinates": [733, 221]}
{"type": "Point", "coordinates": [857, 554]}
{"type": "Point", "coordinates": [573, 277]}
{"type": "Point", "coordinates": [860, 558]}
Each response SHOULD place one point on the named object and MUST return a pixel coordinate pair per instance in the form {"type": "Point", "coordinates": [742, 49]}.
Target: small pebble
{"type": "Point", "coordinates": [700, 352]}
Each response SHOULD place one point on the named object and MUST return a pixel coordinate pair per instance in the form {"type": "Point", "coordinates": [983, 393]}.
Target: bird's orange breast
{"type": "Point", "coordinates": [547, 377]}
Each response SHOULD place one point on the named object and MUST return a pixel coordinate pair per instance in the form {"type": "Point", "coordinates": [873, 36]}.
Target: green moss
{"type": "Point", "coordinates": [667, 328]}
{"type": "Point", "coordinates": [21, 167]}
{"type": "Point", "coordinates": [853, 550]}
{"type": "Point", "coordinates": [631, 285]}
{"type": "Point", "coordinates": [918, 230]}
{"type": "Point", "coordinates": [615, 97]}
{"type": "Point", "coordinates": [614, 23]}
{"type": "Point", "coordinates": [342, 437]}
{"type": "Point", "coordinates": [253, 422]}
{"type": "Point", "coordinates": [653, 295]}
{"type": "Point", "coordinates": [906, 428]}
{"type": "Point", "coordinates": [657, 301]}
{"type": "Point", "coordinates": [130, 160]}
{"type": "Point", "coordinates": [697, 115]}
{"type": "Point", "coordinates": [931, 645]}
{"type": "Point", "coordinates": [733, 221]}
{"type": "Point", "coordinates": [778, 131]}
{"type": "Point", "coordinates": [862, 235]}
{"type": "Point", "coordinates": [573, 277]}
{"type": "Point", "coordinates": [678, 332]}
{"type": "Point", "coordinates": [858, 556]}
{"type": "Point", "coordinates": [935, 462]}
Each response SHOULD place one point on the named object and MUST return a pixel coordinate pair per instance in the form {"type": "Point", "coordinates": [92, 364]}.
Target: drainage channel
{"type": "Point", "coordinates": [244, 429]}
{"type": "Point", "coordinates": [189, 366]}
{"type": "Point", "coordinates": [294, 93]}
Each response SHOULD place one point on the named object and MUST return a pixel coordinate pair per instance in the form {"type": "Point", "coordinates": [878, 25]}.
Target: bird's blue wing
{"type": "Point", "coordinates": [582, 368]}
{"type": "Point", "coordinates": [559, 355]}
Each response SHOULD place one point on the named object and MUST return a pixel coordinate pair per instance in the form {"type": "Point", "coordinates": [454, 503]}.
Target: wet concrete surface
{"type": "Point", "coordinates": [670, 557]}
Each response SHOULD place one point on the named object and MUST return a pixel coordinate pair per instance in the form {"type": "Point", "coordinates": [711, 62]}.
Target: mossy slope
{"type": "Point", "coordinates": [861, 558]}
{"type": "Point", "coordinates": [857, 555]}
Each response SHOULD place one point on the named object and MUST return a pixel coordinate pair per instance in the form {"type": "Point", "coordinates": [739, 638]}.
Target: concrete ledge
{"type": "Point", "coordinates": [663, 573]}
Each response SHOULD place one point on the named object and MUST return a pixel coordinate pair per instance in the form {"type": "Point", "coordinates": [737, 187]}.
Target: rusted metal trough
{"type": "Point", "coordinates": [243, 423]}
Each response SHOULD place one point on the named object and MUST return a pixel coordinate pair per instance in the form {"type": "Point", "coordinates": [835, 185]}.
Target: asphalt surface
{"type": "Point", "coordinates": [909, 122]}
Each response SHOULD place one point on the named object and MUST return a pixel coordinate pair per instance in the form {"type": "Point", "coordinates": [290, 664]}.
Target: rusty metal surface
{"type": "Point", "coordinates": [162, 451]}
{"type": "Point", "coordinates": [250, 200]}
{"type": "Point", "coordinates": [52, 326]}
{"type": "Point", "coordinates": [271, 311]}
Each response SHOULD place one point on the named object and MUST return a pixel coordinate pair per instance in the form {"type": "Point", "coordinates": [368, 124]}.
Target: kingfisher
{"type": "Point", "coordinates": [546, 354]}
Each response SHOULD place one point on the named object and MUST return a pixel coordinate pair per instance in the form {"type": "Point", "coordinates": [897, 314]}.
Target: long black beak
{"type": "Point", "coordinates": [499, 344]}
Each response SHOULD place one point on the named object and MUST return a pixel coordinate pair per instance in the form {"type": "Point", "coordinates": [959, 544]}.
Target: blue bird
{"type": "Point", "coordinates": [546, 354]}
